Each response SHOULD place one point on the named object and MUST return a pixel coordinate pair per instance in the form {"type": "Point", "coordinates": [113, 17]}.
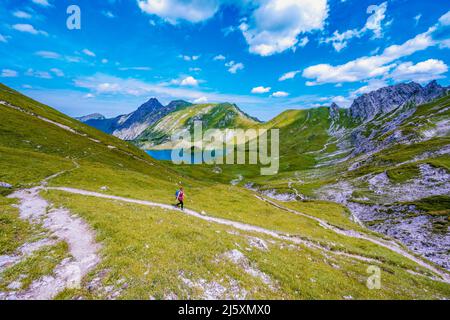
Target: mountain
{"type": "Point", "coordinates": [93, 116]}
{"type": "Point", "coordinates": [388, 98]}
{"type": "Point", "coordinates": [73, 198]}
{"type": "Point", "coordinates": [129, 126]}
{"type": "Point", "coordinates": [223, 115]}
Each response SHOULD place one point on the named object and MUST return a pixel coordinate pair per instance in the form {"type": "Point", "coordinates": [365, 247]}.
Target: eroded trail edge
{"type": "Point", "coordinates": [63, 226]}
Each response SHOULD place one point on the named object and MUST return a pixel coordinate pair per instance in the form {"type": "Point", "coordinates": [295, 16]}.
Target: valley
{"type": "Point", "coordinates": [352, 192]}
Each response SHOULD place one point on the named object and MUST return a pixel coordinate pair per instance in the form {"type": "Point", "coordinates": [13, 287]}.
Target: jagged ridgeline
{"type": "Point", "coordinates": [238, 237]}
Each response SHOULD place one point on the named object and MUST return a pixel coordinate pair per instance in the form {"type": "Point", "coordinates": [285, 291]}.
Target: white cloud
{"type": "Point", "coordinates": [8, 73]}
{"type": "Point", "coordinates": [3, 38]}
{"type": "Point", "coordinates": [303, 42]}
{"type": "Point", "coordinates": [43, 3]}
{"type": "Point", "coordinates": [289, 75]}
{"type": "Point", "coordinates": [377, 15]}
{"type": "Point", "coordinates": [233, 67]}
{"type": "Point", "coordinates": [276, 24]}
{"type": "Point", "coordinates": [48, 54]}
{"type": "Point", "coordinates": [417, 18]}
{"type": "Point", "coordinates": [173, 11]}
{"type": "Point", "coordinates": [372, 85]}
{"type": "Point", "coordinates": [261, 89]}
{"type": "Point", "coordinates": [201, 100]}
{"type": "Point", "coordinates": [368, 66]}
{"type": "Point", "coordinates": [57, 72]}
{"type": "Point", "coordinates": [28, 28]}
{"type": "Point", "coordinates": [89, 96]}
{"type": "Point", "coordinates": [445, 19]}
{"type": "Point", "coordinates": [88, 52]}
{"type": "Point", "coordinates": [22, 14]}
{"type": "Point", "coordinates": [374, 21]}
{"type": "Point", "coordinates": [195, 69]}
{"type": "Point", "coordinates": [188, 58]}
{"type": "Point", "coordinates": [108, 14]}
{"type": "Point", "coordinates": [421, 72]}
{"type": "Point", "coordinates": [104, 61]}
{"type": "Point", "coordinates": [189, 81]}
{"type": "Point", "coordinates": [38, 74]}
{"type": "Point", "coordinates": [279, 94]}
{"type": "Point", "coordinates": [219, 57]}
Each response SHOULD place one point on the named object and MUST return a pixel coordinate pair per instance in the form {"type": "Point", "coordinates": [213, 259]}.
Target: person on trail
{"type": "Point", "coordinates": [180, 197]}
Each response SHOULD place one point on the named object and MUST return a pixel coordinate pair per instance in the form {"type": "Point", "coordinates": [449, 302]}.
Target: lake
{"type": "Point", "coordinates": [197, 157]}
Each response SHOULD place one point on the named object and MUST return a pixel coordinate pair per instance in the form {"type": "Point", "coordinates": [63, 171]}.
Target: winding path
{"type": "Point", "coordinates": [443, 276]}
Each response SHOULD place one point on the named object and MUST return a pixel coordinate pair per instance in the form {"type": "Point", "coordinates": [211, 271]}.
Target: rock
{"type": "Point", "coordinates": [5, 185]}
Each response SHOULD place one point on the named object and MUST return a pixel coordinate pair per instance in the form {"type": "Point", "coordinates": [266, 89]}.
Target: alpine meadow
{"type": "Point", "coordinates": [224, 150]}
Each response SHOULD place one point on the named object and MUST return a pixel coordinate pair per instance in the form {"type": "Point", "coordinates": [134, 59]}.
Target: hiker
{"type": "Point", "coordinates": [180, 198]}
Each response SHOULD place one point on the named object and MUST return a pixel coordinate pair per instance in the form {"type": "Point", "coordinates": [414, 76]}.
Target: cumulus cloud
{"type": "Point", "coordinates": [189, 81]}
{"type": "Point", "coordinates": [261, 89]}
{"type": "Point", "coordinates": [289, 75]}
{"type": "Point", "coordinates": [368, 66]}
{"type": "Point", "coordinates": [8, 73]}
{"type": "Point", "coordinates": [3, 38]}
{"type": "Point", "coordinates": [424, 71]}
{"type": "Point", "coordinates": [219, 57]}
{"type": "Point", "coordinates": [234, 67]}
{"type": "Point", "coordinates": [28, 28]}
{"type": "Point", "coordinates": [276, 24]}
{"type": "Point", "coordinates": [377, 15]}
{"type": "Point", "coordinates": [173, 11]}
{"type": "Point", "coordinates": [279, 94]}
{"type": "Point", "coordinates": [273, 26]}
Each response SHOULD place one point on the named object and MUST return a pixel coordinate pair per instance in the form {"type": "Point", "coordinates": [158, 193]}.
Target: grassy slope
{"type": "Point", "coordinates": [143, 244]}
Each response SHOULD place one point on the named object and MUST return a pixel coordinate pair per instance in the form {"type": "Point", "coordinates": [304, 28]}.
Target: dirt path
{"type": "Point", "coordinates": [443, 276]}
{"type": "Point", "coordinates": [234, 224]}
{"type": "Point", "coordinates": [391, 245]}
{"type": "Point", "coordinates": [64, 226]}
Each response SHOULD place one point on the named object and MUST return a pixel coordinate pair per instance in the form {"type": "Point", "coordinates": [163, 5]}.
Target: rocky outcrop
{"type": "Point", "coordinates": [386, 99]}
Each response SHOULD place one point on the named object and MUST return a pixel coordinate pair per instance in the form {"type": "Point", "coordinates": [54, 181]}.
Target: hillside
{"type": "Point", "coordinates": [76, 202]}
{"type": "Point", "coordinates": [213, 116]}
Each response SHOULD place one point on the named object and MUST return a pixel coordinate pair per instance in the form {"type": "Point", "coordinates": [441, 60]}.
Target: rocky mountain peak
{"type": "Point", "coordinates": [388, 98]}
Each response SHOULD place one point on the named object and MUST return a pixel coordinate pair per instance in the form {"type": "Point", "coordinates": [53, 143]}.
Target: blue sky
{"type": "Point", "coordinates": [264, 55]}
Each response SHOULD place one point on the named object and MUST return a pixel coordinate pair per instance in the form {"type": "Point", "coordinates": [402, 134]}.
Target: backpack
{"type": "Point", "coordinates": [177, 193]}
